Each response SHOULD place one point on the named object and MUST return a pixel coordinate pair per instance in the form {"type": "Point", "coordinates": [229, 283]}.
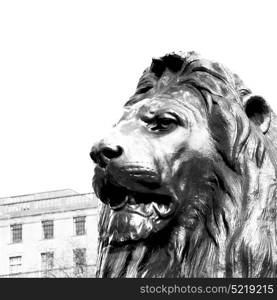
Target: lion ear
{"type": "Point", "coordinates": [258, 112]}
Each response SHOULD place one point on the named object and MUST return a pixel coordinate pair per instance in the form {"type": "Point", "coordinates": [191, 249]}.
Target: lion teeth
{"type": "Point", "coordinates": [132, 203]}
{"type": "Point", "coordinates": [131, 200]}
{"type": "Point", "coordinates": [161, 209]}
{"type": "Point", "coordinates": [148, 208]}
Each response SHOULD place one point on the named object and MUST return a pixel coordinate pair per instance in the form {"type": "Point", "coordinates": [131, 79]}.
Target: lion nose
{"type": "Point", "coordinates": [102, 153]}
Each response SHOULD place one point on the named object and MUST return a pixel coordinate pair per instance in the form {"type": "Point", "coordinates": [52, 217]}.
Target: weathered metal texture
{"type": "Point", "coordinates": [187, 177]}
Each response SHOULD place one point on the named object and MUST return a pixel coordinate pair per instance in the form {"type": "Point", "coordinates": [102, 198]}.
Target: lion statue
{"type": "Point", "coordinates": [187, 177]}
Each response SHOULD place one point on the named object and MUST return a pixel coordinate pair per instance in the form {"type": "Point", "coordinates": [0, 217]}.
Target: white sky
{"type": "Point", "coordinates": [67, 67]}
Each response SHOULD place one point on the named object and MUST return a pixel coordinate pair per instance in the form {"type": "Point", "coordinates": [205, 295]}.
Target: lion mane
{"type": "Point", "coordinates": [229, 229]}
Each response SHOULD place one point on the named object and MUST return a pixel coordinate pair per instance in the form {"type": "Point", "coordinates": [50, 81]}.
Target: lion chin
{"type": "Point", "coordinates": [126, 226]}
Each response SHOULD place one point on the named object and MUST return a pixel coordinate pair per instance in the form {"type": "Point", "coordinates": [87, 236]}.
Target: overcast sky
{"type": "Point", "coordinates": [67, 67]}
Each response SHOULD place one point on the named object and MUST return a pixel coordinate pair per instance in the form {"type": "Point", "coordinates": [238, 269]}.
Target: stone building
{"type": "Point", "coordinates": [49, 234]}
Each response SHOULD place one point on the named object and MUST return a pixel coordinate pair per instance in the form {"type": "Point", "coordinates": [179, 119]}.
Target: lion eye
{"type": "Point", "coordinates": [163, 124]}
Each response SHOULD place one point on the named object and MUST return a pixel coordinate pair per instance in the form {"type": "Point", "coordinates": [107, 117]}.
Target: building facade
{"type": "Point", "coordinates": [49, 234]}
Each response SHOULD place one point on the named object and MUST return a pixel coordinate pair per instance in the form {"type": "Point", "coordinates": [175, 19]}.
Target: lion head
{"type": "Point", "coordinates": [187, 177]}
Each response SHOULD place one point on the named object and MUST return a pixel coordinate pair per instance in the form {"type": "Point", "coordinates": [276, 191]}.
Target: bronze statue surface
{"type": "Point", "coordinates": [187, 177]}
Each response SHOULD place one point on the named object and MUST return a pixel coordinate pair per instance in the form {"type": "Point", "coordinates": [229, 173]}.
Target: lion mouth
{"type": "Point", "coordinates": [145, 204]}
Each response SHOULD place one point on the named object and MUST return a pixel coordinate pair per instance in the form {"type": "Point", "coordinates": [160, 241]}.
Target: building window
{"type": "Point", "coordinates": [48, 229]}
{"type": "Point", "coordinates": [47, 263]}
{"type": "Point", "coordinates": [80, 225]}
{"type": "Point", "coordinates": [16, 233]}
{"type": "Point", "coordinates": [15, 264]}
{"type": "Point", "coordinates": [80, 264]}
